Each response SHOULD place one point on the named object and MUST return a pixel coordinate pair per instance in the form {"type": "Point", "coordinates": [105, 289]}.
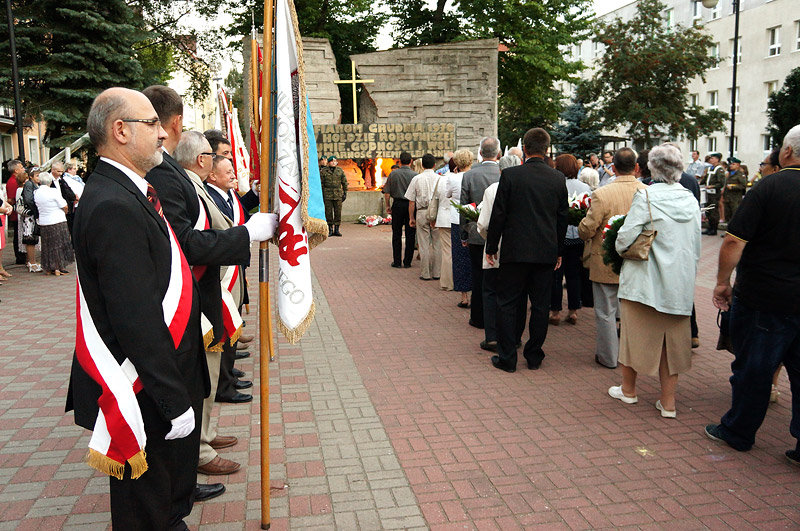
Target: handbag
{"type": "Point", "coordinates": [640, 248]}
{"type": "Point", "coordinates": [433, 204]}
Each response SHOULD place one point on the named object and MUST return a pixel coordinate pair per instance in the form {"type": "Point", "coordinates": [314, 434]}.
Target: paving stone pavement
{"type": "Point", "coordinates": [388, 415]}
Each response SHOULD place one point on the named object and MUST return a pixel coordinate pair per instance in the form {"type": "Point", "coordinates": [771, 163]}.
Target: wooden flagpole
{"type": "Point", "coordinates": [264, 305]}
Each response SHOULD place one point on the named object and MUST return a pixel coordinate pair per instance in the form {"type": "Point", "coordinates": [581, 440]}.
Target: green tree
{"type": "Point", "coordinates": [234, 83]}
{"type": "Point", "coordinates": [68, 52]}
{"type": "Point", "coordinates": [575, 133]}
{"type": "Point", "coordinates": [535, 34]}
{"type": "Point", "coordinates": [783, 109]}
{"type": "Point", "coordinates": [641, 82]}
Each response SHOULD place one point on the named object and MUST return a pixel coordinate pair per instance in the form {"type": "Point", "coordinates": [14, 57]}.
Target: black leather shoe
{"type": "Point", "coordinates": [242, 384]}
{"type": "Point", "coordinates": [534, 366]}
{"type": "Point", "coordinates": [398, 266]}
{"type": "Point", "coordinates": [236, 398]}
{"type": "Point", "coordinates": [203, 492]}
{"type": "Point", "coordinates": [237, 373]}
{"type": "Point", "coordinates": [491, 346]}
{"type": "Point", "coordinates": [406, 266]}
{"type": "Point", "coordinates": [502, 366]}
{"type": "Point", "coordinates": [242, 354]}
{"type": "Point", "coordinates": [476, 325]}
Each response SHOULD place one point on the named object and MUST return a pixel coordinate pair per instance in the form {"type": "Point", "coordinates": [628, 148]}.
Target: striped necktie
{"type": "Point", "coordinates": [152, 196]}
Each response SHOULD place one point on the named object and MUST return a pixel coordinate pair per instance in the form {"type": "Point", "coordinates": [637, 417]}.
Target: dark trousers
{"type": "Point", "coordinates": [333, 211]}
{"type": "Point", "coordinates": [400, 220]}
{"type": "Point", "coordinates": [693, 323]}
{"type": "Point", "coordinates": [587, 292]}
{"type": "Point", "coordinates": [161, 497]}
{"type": "Point", "coordinates": [712, 216]}
{"type": "Point", "coordinates": [225, 388]}
{"type": "Point", "coordinates": [570, 270]}
{"type": "Point", "coordinates": [21, 256]}
{"type": "Point", "coordinates": [516, 281]}
{"type": "Point", "coordinates": [490, 307]}
{"type": "Point", "coordinates": [761, 342]}
{"type": "Point", "coordinates": [476, 298]}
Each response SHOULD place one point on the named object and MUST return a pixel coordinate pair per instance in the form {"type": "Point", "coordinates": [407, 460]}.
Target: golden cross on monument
{"type": "Point", "coordinates": [353, 82]}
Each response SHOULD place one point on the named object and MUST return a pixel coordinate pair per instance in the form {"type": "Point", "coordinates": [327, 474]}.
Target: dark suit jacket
{"type": "Point", "coordinates": [223, 206]}
{"type": "Point", "coordinates": [690, 183]}
{"type": "Point", "coordinates": [473, 184]}
{"type": "Point", "coordinates": [530, 213]}
{"type": "Point", "coordinates": [66, 193]}
{"type": "Point", "coordinates": [123, 257]}
{"type": "Point", "coordinates": [212, 248]}
{"type": "Point", "coordinates": [249, 201]}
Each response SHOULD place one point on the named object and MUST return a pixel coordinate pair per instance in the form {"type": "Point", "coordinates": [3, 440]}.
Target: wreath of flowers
{"type": "Point", "coordinates": [610, 255]}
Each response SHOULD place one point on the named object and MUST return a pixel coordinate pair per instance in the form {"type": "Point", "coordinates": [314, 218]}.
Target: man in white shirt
{"type": "Point", "coordinates": [696, 168]}
{"type": "Point", "coordinates": [419, 195]}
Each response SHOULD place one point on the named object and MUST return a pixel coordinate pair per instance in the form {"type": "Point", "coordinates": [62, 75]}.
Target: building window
{"type": "Point", "coordinates": [714, 52]}
{"type": "Point", "coordinates": [697, 12]}
{"type": "Point", "coordinates": [694, 145]}
{"type": "Point", "coordinates": [6, 149]}
{"type": "Point", "coordinates": [797, 35]}
{"type": "Point", "coordinates": [738, 51]}
{"type": "Point", "coordinates": [669, 15]}
{"type": "Point", "coordinates": [736, 101]}
{"type": "Point", "coordinates": [694, 100]}
{"type": "Point", "coordinates": [713, 100]}
{"type": "Point", "coordinates": [596, 50]}
{"type": "Point", "coordinates": [771, 86]}
{"type": "Point", "coordinates": [715, 12]}
{"type": "Point", "coordinates": [33, 148]}
{"type": "Point", "coordinates": [735, 143]}
{"type": "Point", "coordinates": [711, 143]}
{"type": "Point", "coordinates": [766, 141]}
{"type": "Point", "coordinates": [774, 41]}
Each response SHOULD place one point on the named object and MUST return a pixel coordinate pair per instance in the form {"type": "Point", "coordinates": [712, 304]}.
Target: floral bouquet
{"type": "Point", "coordinates": [610, 254]}
{"type": "Point", "coordinates": [371, 221]}
{"type": "Point", "coordinates": [578, 206]}
{"type": "Point", "coordinates": [470, 211]}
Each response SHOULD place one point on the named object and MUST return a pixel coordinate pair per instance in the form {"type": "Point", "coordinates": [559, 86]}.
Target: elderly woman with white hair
{"type": "Point", "coordinates": [656, 294]}
{"type": "Point", "coordinates": [57, 250]}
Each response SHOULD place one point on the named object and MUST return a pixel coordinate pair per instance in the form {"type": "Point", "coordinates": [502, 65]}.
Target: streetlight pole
{"type": "Point", "coordinates": [15, 80]}
{"type": "Point", "coordinates": [710, 4]}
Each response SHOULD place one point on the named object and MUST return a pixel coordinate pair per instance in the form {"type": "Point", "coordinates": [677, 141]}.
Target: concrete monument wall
{"type": "Point", "coordinates": [453, 82]}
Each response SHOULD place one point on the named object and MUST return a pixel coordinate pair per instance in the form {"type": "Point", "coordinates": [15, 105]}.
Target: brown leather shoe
{"type": "Point", "coordinates": [222, 441]}
{"type": "Point", "coordinates": [246, 339]}
{"type": "Point", "coordinates": [219, 467]}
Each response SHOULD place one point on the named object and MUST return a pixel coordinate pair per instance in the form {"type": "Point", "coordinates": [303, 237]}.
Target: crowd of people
{"type": "Point", "coordinates": [498, 232]}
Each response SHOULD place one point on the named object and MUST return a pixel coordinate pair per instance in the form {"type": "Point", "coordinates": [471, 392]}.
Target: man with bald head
{"type": "Point", "coordinates": [138, 373]}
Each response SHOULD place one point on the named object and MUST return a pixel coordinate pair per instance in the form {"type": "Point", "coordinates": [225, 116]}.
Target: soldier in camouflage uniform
{"type": "Point", "coordinates": [334, 192]}
{"type": "Point", "coordinates": [735, 187]}
{"type": "Point", "coordinates": [715, 183]}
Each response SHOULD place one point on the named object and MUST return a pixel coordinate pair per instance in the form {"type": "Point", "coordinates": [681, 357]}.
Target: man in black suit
{"type": "Point", "coordinates": [473, 185]}
{"type": "Point", "coordinates": [212, 248]}
{"type": "Point", "coordinates": [395, 189]}
{"type": "Point", "coordinates": [530, 214]}
{"type": "Point", "coordinates": [124, 256]}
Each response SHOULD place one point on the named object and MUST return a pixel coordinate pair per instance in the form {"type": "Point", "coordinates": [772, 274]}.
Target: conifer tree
{"type": "Point", "coordinates": [784, 108]}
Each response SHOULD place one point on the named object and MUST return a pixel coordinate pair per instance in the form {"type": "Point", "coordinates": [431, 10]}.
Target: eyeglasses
{"type": "Point", "coordinates": [148, 121]}
{"type": "Point", "coordinates": [762, 164]}
{"type": "Point", "coordinates": [209, 154]}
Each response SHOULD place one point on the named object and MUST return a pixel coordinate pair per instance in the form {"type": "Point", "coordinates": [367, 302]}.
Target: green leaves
{"type": "Point", "coordinates": [643, 77]}
{"type": "Point", "coordinates": [784, 108]}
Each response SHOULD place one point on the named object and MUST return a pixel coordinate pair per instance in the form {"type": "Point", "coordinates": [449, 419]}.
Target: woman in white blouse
{"type": "Point", "coordinates": [459, 257]}
{"type": "Point", "coordinates": [57, 250]}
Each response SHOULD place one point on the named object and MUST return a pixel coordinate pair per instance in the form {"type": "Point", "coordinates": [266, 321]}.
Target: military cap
{"type": "Point", "coordinates": [734, 160]}
{"type": "Point", "coordinates": [331, 158]}
{"type": "Point", "coordinates": [718, 155]}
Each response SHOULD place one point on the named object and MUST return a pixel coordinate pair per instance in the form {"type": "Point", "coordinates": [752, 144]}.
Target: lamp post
{"type": "Point", "coordinates": [736, 3]}
{"type": "Point", "coordinates": [15, 80]}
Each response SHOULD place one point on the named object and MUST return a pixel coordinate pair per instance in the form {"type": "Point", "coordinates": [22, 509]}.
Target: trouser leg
{"type": "Point", "coordinates": [693, 323]}
{"type": "Point", "coordinates": [511, 287]}
{"type": "Point", "coordinates": [208, 428]}
{"type": "Point", "coordinates": [476, 300]}
{"type": "Point", "coordinates": [337, 211]}
{"type": "Point", "coordinates": [761, 341]}
{"type": "Point", "coordinates": [226, 380]}
{"type": "Point", "coordinates": [329, 215]}
{"type": "Point", "coordinates": [606, 306]}
{"type": "Point", "coordinates": [557, 291]}
{"type": "Point", "coordinates": [424, 237]}
{"type": "Point", "coordinates": [490, 304]}
{"type": "Point", "coordinates": [539, 282]}
{"type": "Point", "coordinates": [445, 251]}
{"type": "Point", "coordinates": [571, 265]}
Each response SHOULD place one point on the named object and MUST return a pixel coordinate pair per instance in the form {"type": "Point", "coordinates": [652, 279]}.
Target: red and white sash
{"type": "Point", "coordinates": [230, 312]}
{"type": "Point", "coordinates": [119, 434]}
{"type": "Point", "coordinates": [203, 223]}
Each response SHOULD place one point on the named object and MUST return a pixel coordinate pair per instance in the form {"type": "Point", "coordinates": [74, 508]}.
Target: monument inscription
{"type": "Point", "coordinates": [355, 141]}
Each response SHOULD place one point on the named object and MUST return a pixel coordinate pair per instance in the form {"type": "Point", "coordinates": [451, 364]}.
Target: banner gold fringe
{"type": "Point", "coordinates": [208, 338]}
{"type": "Point", "coordinates": [215, 348]}
{"type": "Point", "coordinates": [109, 467]}
{"type": "Point", "coordinates": [293, 335]}
{"type": "Point", "coordinates": [236, 335]}
{"type": "Point", "coordinates": [317, 229]}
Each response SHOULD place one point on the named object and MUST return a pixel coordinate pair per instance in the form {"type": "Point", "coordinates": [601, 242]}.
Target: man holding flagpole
{"type": "Point", "coordinates": [138, 374]}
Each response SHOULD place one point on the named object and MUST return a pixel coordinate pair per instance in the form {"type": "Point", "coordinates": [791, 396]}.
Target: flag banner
{"type": "Point", "coordinates": [255, 136]}
{"type": "Point", "coordinates": [301, 211]}
{"type": "Point", "coordinates": [227, 119]}
{"type": "Point", "coordinates": [240, 155]}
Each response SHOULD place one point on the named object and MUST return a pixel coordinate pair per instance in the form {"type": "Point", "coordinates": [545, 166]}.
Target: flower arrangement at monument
{"type": "Point", "coordinates": [578, 206]}
{"type": "Point", "coordinates": [470, 211]}
{"type": "Point", "coordinates": [610, 254]}
{"type": "Point", "coordinates": [372, 221]}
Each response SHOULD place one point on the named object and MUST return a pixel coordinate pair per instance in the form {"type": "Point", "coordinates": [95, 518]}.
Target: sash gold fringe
{"type": "Point", "coordinates": [236, 335]}
{"type": "Point", "coordinates": [293, 335]}
{"type": "Point", "coordinates": [108, 466]}
{"type": "Point", "coordinates": [215, 348]}
{"type": "Point", "coordinates": [208, 338]}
